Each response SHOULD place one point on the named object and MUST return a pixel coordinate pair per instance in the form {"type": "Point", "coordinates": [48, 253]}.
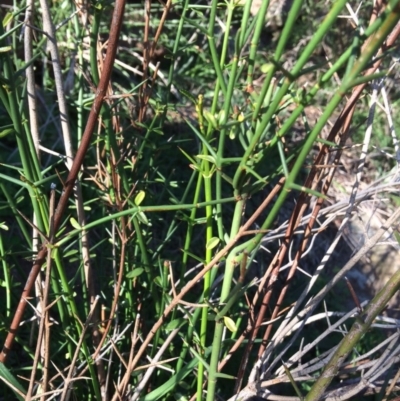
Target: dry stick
{"type": "Point", "coordinates": [134, 339]}
{"type": "Point", "coordinates": [49, 30]}
{"type": "Point", "coordinates": [187, 288]}
{"type": "Point", "coordinates": [30, 76]}
{"type": "Point", "coordinates": [148, 53]}
{"type": "Point", "coordinates": [378, 6]}
{"type": "Point", "coordinates": [296, 216]}
{"type": "Point", "coordinates": [116, 297]}
{"type": "Point", "coordinates": [160, 27]}
{"type": "Point", "coordinates": [34, 131]}
{"type": "Point", "coordinates": [149, 371]}
{"type": "Point", "coordinates": [114, 305]}
{"type": "Point", "coordinates": [310, 285]}
{"type": "Point", "coordinates": [73, 174]}
{"type": "Point", "coordinates": [146, 60]}
{"type": "Point", "coordinates": [117, 289]}
{"type": "Point", "coordinates": [44, 333]}
{"type": "Point", "coordinates": [389, 388]}
{"type": "Point", "coordinates": [37, 353]}
{"type": "Point", "coordinates": [69, 378]}
{"type": "Point", "coordinates": [80, 377]}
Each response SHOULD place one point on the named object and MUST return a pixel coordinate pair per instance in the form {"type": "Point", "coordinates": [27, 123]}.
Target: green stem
{"type": "Point", "coordinates": [98, 11]}
{"type": "Point", "coordinates": [213, 48]}
{"type": "Point", "coordinates": [144, 209]}
{"type": "Point", "coordinates": [273, 107]}
{"type": "Point", "coordinates": [260, 24]}
{"type": "Point", "coordinates": [207, 277]}
{"type": "Point", "coordinates": [7, 277]}
{"type": "Point", "coordinates": [226, 110]}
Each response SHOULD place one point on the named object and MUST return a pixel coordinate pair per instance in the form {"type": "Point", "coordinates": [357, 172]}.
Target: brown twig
{"type": "Point", "coordinates": [73, 174]}
{"type": "Point", "coordinates": [149, 49]}
{"type": "Point", "coordinates": [86, 326]}
{"type": "Point", "coordinates": [354, 295]}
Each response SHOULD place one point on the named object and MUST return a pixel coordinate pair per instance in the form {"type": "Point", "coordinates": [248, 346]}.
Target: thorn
{"type": "Point", "coordinates": [354, 295]}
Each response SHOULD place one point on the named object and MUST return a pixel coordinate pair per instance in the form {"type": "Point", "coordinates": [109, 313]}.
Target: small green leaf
{"type": "Point", "coordinates": [7, 19]}
{"type": "Point", "coordinates": [6, 131]}
{"type": "Point", "coordinates": [233, 131]}
{"type": "Point", "coordinates": [71, 252]}
{"type": "Point", "coordinates": [227, 238]}
{"type": "Point", "coordinates": [212, 243]}
{"type": "Point", "coordinates": [230, 324]}
{"type": "Point", "coordinates": [139, 198]}
{"type": "Point", "coordinates": [74, 223]}
{"type": "Point", "coordinates": [142, 217]}
{"type": "Point", "coordinates": [221, 117]}
{"type": "Point", "coordinates": [158, 281]}
{"type": "Point", "coordinates": [135, 272]}
{"type": "Point", "coordinates": [4, 226]}
{"type": "Point", "coordinates": [207, 157]}
{"type": "Point", "coordinates": [266, 68]}
{"type": "Point", "coordinates": [210, 118]}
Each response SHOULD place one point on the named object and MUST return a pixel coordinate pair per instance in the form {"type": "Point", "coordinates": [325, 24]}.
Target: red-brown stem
{"type": "Point", "coordinates": [73, 174]}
